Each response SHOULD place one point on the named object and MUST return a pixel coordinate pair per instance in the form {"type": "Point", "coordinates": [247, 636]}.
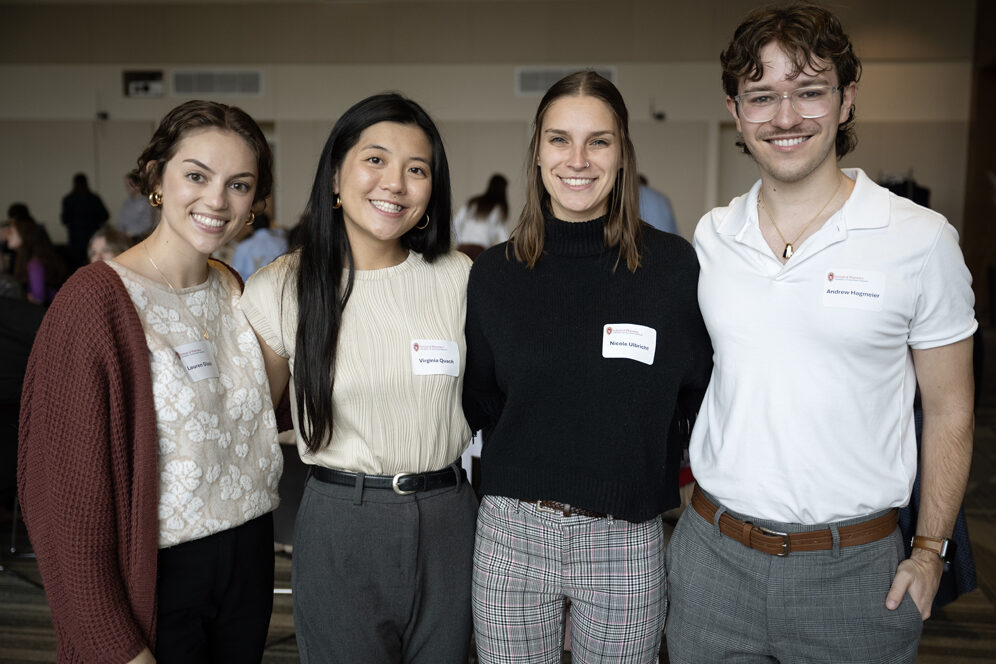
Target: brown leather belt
{"type": "Point", "coordinates": [563, 509]}
{"type": "Point", "coordinates": [781, 544]}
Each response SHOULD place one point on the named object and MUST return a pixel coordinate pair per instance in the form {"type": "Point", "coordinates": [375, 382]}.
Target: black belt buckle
{"type": "Point", "coordinates": [786, 543]}
{"type": "Point", "coordinates": [395, 484]}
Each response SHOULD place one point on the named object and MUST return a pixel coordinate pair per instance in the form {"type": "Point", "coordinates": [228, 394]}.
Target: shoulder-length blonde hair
{"type": "Point", "coordinates": [622, 229]}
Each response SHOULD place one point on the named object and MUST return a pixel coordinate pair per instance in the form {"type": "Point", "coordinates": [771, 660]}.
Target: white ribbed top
{"type": "Point", "coordinates": [387, 420]}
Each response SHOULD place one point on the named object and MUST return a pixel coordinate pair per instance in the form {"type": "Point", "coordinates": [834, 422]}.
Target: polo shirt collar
{"type": "Point", "coordinates": [867, 207]}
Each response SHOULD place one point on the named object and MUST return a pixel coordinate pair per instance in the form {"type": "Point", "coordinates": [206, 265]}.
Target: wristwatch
{"type": "Point", "coordinates": [943, 547]}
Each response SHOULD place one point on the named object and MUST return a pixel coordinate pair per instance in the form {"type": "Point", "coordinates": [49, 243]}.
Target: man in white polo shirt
{"type": "Point", "coordinates": [828, 300]}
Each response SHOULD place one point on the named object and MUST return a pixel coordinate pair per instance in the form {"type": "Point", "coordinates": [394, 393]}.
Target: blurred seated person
{"type": "Point", "coordinates": [107, 243]}
{"type": "Point", "coordinates": [136, 218]}
{"type": "Point", "coordinates": [37, 266]}
{"type": "Point", "coordinates": [226, 252]}
{"type": "Point", "coordinates": [260, 248]}
{"type": "Point", "coordinates": [14, 211]}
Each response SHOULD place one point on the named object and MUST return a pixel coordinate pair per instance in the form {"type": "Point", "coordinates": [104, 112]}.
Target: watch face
{"type": "Point", "coordinates": [948, 549]}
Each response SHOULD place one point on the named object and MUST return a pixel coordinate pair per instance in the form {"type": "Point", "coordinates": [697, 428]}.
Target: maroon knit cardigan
{"type": "Point", "coordinates": [88, 469]}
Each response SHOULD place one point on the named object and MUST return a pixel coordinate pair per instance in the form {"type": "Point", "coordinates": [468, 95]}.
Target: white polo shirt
{"type": "Point", "coordinates": [808, 417]}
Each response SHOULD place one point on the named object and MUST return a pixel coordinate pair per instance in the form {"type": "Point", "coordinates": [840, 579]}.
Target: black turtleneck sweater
{"type": "Point", "coordinates": [561, 421]}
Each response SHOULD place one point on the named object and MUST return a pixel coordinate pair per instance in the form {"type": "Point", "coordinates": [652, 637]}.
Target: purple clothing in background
{"type": "Point", "coordinates": [37, 288]}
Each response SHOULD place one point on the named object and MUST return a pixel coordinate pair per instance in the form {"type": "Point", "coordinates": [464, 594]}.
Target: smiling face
{"type": "Point", "coordinates": [207, 189]}
{"type": "Point", "coordinates": [790, 148]}
{"type": "Point", "coordinates": [384, 183]}
{"type": "Point", "coordinates": [579, 157]}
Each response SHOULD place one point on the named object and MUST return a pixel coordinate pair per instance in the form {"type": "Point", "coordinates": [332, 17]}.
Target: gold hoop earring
{"type": "Point", "coordinates": [251, 218]}
{"type": "Point", "coordinates": [155, 199]}
{"type": "Point", "coordinates": [425, 225]}
{"type": "Point", "coordinates": [338, 203]}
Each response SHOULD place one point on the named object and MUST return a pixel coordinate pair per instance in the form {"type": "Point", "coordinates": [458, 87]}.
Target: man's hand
{"type": "Point", "coordinates": [920, 575]}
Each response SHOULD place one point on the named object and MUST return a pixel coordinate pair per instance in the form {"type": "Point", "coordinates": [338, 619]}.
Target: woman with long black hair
{"type": "Point", "coordinates": [364, 320]}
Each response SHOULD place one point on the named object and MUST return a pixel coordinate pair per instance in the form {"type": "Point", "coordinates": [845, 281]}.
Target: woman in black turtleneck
{"type": "Point", "coordinates": [584, 340]}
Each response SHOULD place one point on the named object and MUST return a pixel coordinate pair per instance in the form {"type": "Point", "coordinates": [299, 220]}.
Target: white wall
{"type": "Point", "coordinates": [911, 115]}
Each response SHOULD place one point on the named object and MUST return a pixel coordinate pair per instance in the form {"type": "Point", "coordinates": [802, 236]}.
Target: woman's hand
{"type": "Point", "coordinates": [144, 657]}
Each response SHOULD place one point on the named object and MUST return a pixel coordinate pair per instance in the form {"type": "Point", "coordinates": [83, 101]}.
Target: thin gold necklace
{"type": "Point", "coordinates": [170, 284]}
{"type": "Point", "coordinates": [789, 246]}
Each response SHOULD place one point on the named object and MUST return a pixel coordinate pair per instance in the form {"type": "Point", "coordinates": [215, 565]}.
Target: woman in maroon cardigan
{"type": "Point", "coordinates": [148, 460]}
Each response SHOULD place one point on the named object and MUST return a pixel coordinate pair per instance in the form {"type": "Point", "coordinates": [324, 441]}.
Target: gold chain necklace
{"type": "Point", "coordinates": [170, 284]}
{"type": "Point", "coordinates": [789, 246]}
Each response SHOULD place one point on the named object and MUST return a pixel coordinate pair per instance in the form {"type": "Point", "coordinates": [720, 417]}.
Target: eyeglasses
{"type": "Point", "coordinates": [763, 105]}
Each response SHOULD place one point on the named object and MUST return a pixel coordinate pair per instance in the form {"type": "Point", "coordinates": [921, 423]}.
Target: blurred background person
{"type": "Point", "coordinates": [480, 222]}
{"type": "Point", "coordinates": [16, 211]}
{"type": "Point", "coordinates": [136, 217]}
{"type": "Point", "coordinates": [108, 242]}
{"type": "Point", "coordinates": [260, 248]}
{"type": "Point", "coordinates": [37, 267]}
{"type": "Point", "coordinates": [655, 208]}
{"type": "Point", "coordinates": [83, 212]}
{"type": "Point", "coordinates": [226, 252]}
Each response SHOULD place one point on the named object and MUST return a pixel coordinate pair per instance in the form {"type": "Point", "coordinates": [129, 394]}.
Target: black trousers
{"type": "Point", "coordinates": [215, 596]}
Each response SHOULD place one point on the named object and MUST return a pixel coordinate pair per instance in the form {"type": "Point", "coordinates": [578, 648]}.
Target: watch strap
{"type": "Point", "coordinates": [936, 545]}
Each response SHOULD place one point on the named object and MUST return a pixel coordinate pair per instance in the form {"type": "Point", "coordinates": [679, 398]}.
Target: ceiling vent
{"type": "Point", "coordinates": [242, 83]}
{"type": "Point", "coordinates": [535, 81]}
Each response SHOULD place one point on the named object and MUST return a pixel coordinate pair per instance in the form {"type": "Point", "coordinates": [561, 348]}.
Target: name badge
{"type": "Point", "coordinates": [854, 289]}
{"type": "Point", "coordinates": [198, 359]}
{"type": "Point", "coordinates": [629, 341]}
{"type": "Point", "coordinates": [435, 356]}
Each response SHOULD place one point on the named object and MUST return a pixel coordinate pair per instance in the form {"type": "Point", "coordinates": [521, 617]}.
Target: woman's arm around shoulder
{"type": "Point", "coordinates": [270, 305]}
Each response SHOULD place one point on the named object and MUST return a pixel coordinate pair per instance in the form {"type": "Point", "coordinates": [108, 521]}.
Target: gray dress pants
{"type": "Point", "coordinates": [383, 578]}
{"type": "Point", "coordinates": [735, 605]}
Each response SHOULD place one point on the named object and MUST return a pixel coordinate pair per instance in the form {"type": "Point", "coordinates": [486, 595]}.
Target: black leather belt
{"type": "Point", "coordinates": [402, 483]}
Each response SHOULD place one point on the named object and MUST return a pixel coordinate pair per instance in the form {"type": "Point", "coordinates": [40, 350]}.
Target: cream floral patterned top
{"type": "Point", "coordinates": [219, 460]}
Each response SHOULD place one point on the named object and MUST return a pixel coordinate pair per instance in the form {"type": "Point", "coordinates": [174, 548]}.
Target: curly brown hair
{"type": "Point", "coordinates": [810, 35]}
{"type": "Point", "coordinates": [199, 114]}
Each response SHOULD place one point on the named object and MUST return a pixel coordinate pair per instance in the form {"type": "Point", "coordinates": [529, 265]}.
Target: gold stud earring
{"type": "Point", "coordinates": [338, 203]}
{"type": "Point", "coordinates": [155, 199]}
{"type": "Point", "coordinates": [251, 218]}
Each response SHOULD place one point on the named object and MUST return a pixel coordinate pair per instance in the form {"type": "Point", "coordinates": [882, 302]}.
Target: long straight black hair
{"type": "Point", "coordinates": [325, 254]}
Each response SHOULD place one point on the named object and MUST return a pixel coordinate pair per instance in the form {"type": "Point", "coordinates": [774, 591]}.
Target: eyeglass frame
{"type": "Point", "coordinates": [787, 95]}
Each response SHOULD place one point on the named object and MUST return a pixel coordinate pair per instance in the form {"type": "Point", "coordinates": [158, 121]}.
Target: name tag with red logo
{"type": "Point", "coordinates": [854, 289]}
{"type": "Point", "coordinates": [435, 356]}
{"type": "Point", "coordinates": [629, 341]}
{"type": "Point", "coordinates": [197, 358]}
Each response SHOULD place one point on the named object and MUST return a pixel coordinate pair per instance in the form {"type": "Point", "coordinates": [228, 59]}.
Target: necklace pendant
{"type": "Point", "coordinates": [788, 250]}
{"type": "Point", "coordinates": [206, 335]}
